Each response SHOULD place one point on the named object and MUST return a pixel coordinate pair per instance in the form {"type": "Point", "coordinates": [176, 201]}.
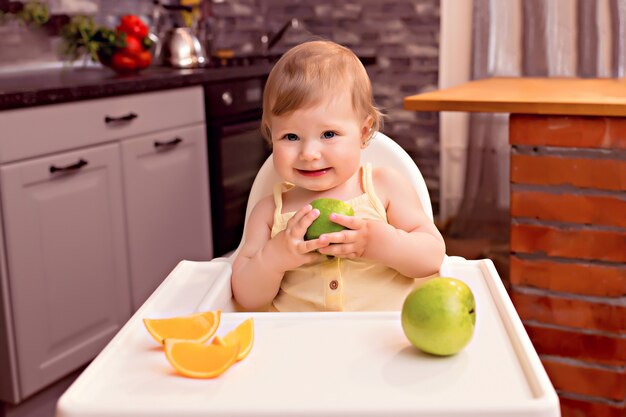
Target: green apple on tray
{"type": "Point", "coordinates": [439, 316]}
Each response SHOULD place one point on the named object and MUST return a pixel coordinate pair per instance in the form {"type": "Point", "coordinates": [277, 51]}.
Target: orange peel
{"type": "Point", "coordinates": [200, 360]}
{"type": "Point", "coordinates": [198, 327]}
{"type": "Point", "coordinates": [242, 335]}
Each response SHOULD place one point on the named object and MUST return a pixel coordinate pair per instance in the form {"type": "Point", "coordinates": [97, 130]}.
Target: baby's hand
{"type": "Point", "coordinates": [351, 242]}
{"type": "Point", "coordinates": [294, 250]}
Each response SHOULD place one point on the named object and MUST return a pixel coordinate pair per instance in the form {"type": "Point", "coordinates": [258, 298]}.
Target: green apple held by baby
{"type": "Point", "coordinates": [439, 316]}
{"type": "Point", "coordinates": [323, 224]}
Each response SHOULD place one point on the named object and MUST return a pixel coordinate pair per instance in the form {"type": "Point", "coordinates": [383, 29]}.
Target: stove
{"type": "Point", "coordinates": [226, 59]}
{"type": "Point", "coordinates": [236, 150]}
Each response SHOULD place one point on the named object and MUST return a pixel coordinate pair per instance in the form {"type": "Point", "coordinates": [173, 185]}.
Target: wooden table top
{"type": "Point", "coordinates": [563, 96]}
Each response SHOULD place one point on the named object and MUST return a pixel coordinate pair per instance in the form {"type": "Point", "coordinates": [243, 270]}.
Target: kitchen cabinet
{"type": "Point", "coordinates": [99, 200]}
{"type": "Point", "coordinates": [65, 247]}
{"type": "Point", "coordinates": [166, 187]}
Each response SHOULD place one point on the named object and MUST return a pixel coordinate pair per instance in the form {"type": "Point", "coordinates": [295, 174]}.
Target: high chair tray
{"type": "Point", "coordinates": [319, 364]}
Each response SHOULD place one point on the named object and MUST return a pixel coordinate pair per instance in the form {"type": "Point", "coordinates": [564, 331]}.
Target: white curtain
{"type": "Point", "coordinates": [535, 38]}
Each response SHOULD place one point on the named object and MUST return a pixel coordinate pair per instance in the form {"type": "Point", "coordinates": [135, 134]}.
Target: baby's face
{"type": "Point", "coordinates": [319, 147]}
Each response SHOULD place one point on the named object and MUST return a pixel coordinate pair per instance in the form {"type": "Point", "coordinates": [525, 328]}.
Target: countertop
{"type": "Point", "coordinates": [40, 87]}
{"type": "Point", "coordinates": [558, 96]}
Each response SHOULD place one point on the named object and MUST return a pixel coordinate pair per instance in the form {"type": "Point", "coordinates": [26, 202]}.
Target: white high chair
{"type": "Point", "coordinates": [381, 151]}
{"type": "Point", "coordinates": [331, 364]}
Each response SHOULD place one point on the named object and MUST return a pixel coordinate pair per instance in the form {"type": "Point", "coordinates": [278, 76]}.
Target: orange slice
{"type": "Point", "coordinates": [197, 327]}
{"type": "Point", "coordinates": [198, 360]}
{"type": "Point", "coordinates": [243, 336]}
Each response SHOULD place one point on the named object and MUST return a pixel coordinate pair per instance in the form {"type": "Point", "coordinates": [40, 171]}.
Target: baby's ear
{"type": "Point", "coordinates": [366, 131]}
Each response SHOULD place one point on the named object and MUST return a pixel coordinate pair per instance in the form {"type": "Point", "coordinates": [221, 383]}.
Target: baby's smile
{"type": "Point", "coordinates": [313, 173]}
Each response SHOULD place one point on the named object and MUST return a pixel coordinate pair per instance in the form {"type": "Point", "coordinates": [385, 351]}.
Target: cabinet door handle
{"type": "Point", "coordinates": [175, 7]}
{"type": "Point", "coordinates": [78, 165]}
{"type": "Point", "coordinates": [126, 118]}
{"type": "Point", "coordinates": [172, 142]}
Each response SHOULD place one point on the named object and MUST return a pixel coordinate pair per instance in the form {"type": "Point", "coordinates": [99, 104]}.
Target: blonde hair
{"type": "Point", "coordinates": [309, 71]}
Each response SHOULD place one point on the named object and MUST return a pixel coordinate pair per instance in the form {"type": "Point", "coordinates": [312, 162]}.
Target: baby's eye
{"type": "Point", "coordinates": [328, 134]}
{"type": "Point", "coordinates": [291, 136]}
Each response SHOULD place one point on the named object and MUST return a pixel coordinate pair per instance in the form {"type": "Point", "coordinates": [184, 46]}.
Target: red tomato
{"type": "Point", "coordinates": [133, 26]}
{"type": "Point", "coordinates": [123, 63]}
{"type": "Point", "coordinates": [143, 60]}
{"type": "Point", "coordinates": [133, 46]}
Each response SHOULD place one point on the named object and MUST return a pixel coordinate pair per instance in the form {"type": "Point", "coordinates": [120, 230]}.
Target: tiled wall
{"type": "Point", "coordinates": [568, 244]}
{"type": "Point", "coordinates": [403, 34]}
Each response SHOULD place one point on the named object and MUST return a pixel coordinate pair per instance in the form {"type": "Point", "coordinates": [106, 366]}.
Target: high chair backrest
{"type": "Point", "coordinates": [381, 151]}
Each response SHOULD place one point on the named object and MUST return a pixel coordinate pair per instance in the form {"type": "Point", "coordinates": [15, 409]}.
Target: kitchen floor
{"type": "Point", "coordinates": [42, 404]}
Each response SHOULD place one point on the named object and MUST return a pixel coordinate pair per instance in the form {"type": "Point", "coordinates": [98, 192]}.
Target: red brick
{"type": "Point", "coordinates": [568, 131]}
{"type": "Point", "coordinates": [580, 379]}
{"type": "Point", "coordinates": [604, 174]}
{"type": "Point", "coordinates": [577, 278]}
{"type": "Point", "coordinates": [570, 312]}
{"type": "Point", "coordinates": [579, 408]}
{"type": "Point", "coordinates": [569, 343]}
{"type": "Point", "coordinates": [571, 208]}
{"type": "Point", "coordinates": [567, 243]}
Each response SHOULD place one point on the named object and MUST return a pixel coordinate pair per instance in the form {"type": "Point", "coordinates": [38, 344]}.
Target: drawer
{"type": "Point", "coordinates": [30, 132]}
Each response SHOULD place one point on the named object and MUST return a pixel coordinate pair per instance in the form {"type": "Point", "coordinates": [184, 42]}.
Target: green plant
{"type": "Point", "coordinates": [32, 13]}
{"type": "Point", "coordinates": [82, 37]}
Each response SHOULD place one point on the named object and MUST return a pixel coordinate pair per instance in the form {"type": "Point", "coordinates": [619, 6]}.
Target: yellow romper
{"type": "Point", "coordinates": [341, 284]}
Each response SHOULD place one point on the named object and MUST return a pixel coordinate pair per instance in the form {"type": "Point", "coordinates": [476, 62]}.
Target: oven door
{"type": "Point", "coordinates": [237, 150]}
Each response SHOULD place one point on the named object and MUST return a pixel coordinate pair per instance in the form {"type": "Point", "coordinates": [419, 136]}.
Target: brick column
{"type": "Point", "coordinates": [568, 254]}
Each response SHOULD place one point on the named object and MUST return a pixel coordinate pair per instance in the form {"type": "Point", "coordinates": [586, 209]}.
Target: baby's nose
{"type": "Point", "coordinates": [309, 151]}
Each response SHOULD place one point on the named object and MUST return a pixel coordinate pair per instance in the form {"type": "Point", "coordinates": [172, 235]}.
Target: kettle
{"type": "Point", "coordinates": [181, 48]}
{"type": "Point", "coordinates": [177, 46]}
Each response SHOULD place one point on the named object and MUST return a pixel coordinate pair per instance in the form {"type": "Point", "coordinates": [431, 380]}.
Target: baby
{"type": "Point", "coordinates": [318, 114]}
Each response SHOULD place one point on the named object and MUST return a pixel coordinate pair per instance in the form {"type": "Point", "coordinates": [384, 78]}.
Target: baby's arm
{"type": "Point", "coordinates": [262, 261]}
{"type": "Point", "coordinates": [410, 243]}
